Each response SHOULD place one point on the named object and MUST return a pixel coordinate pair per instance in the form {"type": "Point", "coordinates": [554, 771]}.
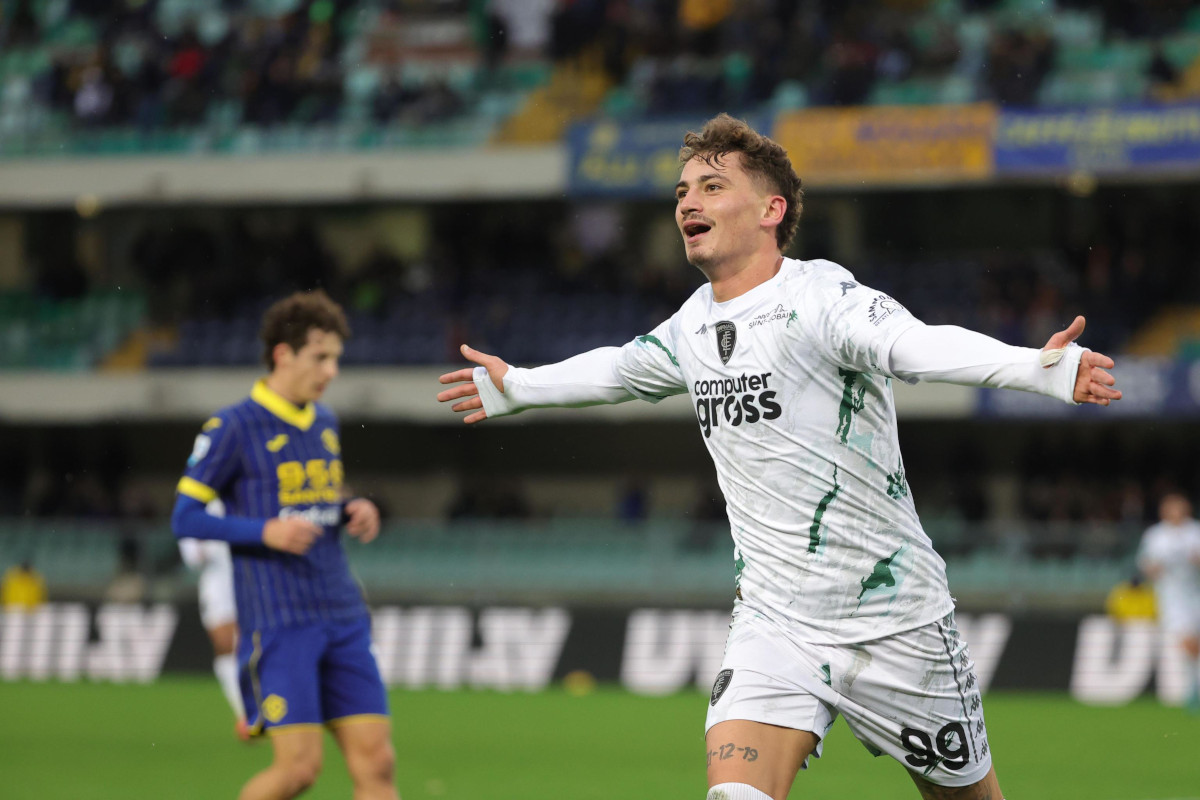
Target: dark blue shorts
{"type": "Point", "coordinates": [310, 675]}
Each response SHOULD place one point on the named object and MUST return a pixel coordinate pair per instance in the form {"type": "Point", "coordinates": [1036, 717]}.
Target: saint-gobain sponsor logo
{"type": "Point", "coordinates": [745, 399]}
{"type": "Point", "coordinates": [881, 308]}
{"type": "Point", "coordinates": [779, 312]}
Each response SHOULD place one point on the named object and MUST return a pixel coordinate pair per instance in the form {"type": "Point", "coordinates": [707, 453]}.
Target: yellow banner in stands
{"type": "Point", "coordinates": [890, 144]}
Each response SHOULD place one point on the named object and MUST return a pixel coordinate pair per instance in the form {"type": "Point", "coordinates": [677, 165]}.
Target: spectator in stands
{"type": "Point", "coordinates": [22, 588]}
{"type": "Point", "coordinates": [1131, 600]}
{"type": "Point", "coordinates": [849, 63]}
{"type": "Point", "coordinates": [94, 97]}
{"type": "Point", "coordinates": [1017, 64]}
{"type": "Point", "coordinates": [127, 585]}
{"type": "Point", "coordinates": [526, 25]}
{"type": "Point", "coordinates": [1161, 72]}
{"type": "Point", "coordinates": [188, 95]}
{"type": "Point", "coordinates": [18, 27]}
{"type": "Point", "coordinates": [701, 22]}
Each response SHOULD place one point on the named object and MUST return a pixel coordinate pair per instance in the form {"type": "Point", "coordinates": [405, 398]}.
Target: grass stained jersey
{"type": "Point", "coordinates": [793, 397]}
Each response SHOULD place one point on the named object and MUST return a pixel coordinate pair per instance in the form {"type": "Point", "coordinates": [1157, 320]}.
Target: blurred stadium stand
{"type": "Point", "coordinates": [114, 76]}
{"type": "Point", "coordinates": [168, 167]}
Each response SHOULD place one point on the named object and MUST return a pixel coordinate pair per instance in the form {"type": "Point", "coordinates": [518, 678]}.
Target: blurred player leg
{"type": "Point", "coordinates": [370, 758]}
{"type": "Point", "coordinates": [225, 667]}
{"type": "Point", "coordinates": [1191, 652]}
{"type": "Point", "coordinates": [295, 768]}
{"type": "Point", "coordinates": [766, 757]}
{"type": "Point", "coordinates": [218, 612]}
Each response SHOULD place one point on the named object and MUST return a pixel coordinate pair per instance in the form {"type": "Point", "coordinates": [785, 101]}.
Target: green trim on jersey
{"type": "Point", "coordinates": [897, 483]}
{"type": "Point", "coordinates": [881, 575]}
{"type": "Point", "coordinates": [814, 530]}
{"type": "Point", "coordinates": [651, 339]}
{"type": "Point", "coordinates": [852, 402]}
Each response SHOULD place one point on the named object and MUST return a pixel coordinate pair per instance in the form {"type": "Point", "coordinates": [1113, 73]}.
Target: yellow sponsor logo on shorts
{"type": "Point", "coordinates": [274, 708]}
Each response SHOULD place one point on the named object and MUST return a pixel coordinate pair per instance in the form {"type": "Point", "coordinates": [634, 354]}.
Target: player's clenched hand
{"type": "Point", "coordinates": [1093, 384]}
{"type": "Point", "coordinates": [363, 522]}
{"type": "Point", "coordinates": [496, 368]}
{"type": "Point", "coordinates": [290, 534]}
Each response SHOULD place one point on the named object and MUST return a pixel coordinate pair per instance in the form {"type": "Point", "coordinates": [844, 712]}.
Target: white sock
{"type": "Point", "coordinates": [736, 791]}
{"type": "Point", "coordinates": [226, 669]}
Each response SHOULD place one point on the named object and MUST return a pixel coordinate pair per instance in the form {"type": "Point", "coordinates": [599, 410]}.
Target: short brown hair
{"type": "Point", "coordinates": [762, 157]}
{"type": "Point", "coordinates": [289, 320]}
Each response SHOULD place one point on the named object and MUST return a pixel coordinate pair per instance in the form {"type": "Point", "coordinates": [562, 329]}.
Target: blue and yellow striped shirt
{"type": "Point", "coordinates": [264, 457]}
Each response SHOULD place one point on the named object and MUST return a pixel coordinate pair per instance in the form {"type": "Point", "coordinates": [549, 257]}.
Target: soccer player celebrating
{"type": "Point", "coordinates": [842, 604]}
{"type": "Point", "coordinates": [1169, 556]}
{"type": "Point", "coordinates": [304, 652]}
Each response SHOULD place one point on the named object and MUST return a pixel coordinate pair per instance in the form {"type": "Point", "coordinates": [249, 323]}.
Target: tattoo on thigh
{"type": "Point", "coordinates": [730, 750]}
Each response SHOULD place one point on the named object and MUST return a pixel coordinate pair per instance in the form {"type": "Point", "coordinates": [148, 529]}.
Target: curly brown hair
{"type": "Point", "coordinates": [762, 157]}
{"type": "Point", "coordinates": [289, 320]}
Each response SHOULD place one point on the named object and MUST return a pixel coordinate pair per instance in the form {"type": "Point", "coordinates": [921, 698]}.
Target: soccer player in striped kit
{"type": "Point", "coordinates": [842, 605]}
{"type": "Point", "coordinates": [304, 650]}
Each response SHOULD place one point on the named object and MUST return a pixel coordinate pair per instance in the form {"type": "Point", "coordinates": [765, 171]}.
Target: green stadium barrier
{"type": "Point", "coordinates": [587, 560]}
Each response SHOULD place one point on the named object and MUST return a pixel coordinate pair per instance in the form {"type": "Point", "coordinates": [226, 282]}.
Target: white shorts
{"type": "Point", "coordinates": [1180, 619]}
{"type": "Point", "coordinates": [217, 604]}
{"type": "Point", "coordinates": [913, 695]}
{"type": "Point", "coordinates": [212, 559]}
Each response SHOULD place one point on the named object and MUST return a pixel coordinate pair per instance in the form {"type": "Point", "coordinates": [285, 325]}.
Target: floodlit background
{"type": "Point", "coordinates": [551, 592]}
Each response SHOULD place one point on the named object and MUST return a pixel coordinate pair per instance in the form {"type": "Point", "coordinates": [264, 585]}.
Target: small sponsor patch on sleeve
{"type": "Point", "coordinates": [199, 450]}
{"type": "Point", "coordinates": [883, 307]}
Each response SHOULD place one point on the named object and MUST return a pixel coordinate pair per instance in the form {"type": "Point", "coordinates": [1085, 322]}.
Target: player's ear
{"type": "Point", "coordinates": [773, 211]}
{"type": "Point", "coordinates": [283, 354]}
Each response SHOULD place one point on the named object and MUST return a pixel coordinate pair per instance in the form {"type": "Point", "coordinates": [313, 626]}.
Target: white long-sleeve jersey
{"type": "Point", "coordinates": [791, 385]}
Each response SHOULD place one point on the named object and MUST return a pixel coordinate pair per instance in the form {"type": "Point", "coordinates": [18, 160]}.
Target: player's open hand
{"type": "Point", "coordinates": [290, 534]}
{"type": "Point", "coordinates": [465, 379]}
{"type": "Point", "coordinates": [1093, 384]}
{"type": "Point", "coordinates": [363, 522]}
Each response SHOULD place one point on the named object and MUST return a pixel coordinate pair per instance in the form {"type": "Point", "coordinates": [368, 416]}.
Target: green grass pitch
{"type": "Point", "coordinates": [173, 740]}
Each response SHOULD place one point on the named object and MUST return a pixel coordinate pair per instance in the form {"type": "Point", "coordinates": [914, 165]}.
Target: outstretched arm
{"type": "Point", "coordinates": [494, 389]}
{"type": "Point", "coordinates": [950, 354]}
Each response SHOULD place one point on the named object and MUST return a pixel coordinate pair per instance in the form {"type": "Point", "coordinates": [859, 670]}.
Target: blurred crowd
{"type": "Point", "coordinates": [1042, 474]}
{"type": "Point", "coordinates": [156, 63]}
{"type": "Point", "coordinates": [135, 72]}
{"type": "Point", "coordinates": [566, 260]}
